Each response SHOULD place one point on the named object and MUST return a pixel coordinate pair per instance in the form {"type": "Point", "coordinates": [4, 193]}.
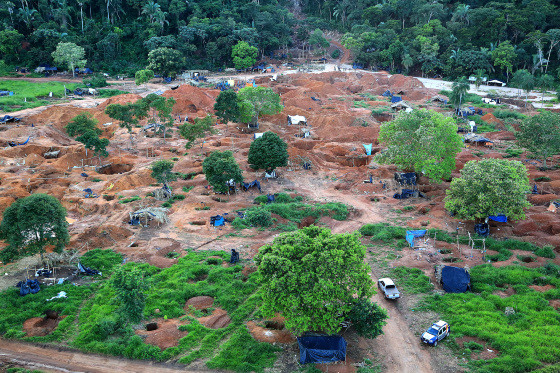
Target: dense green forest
{"type": "Point", "coordinates": [431, 37]}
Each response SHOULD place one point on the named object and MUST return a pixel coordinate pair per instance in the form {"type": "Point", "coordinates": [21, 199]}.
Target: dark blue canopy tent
{"type": "Point", "coordinates": [455, 280]}
{"type": "Point", "coordinates": [321, 349]}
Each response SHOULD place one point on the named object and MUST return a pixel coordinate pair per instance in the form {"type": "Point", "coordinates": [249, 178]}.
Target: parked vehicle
{"type": "Point", "coordinates": [435, 333]}
{"type": "Point", "coordinates": [388, 288]}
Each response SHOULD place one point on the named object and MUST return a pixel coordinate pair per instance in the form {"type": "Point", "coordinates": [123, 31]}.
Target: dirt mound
{"type": "Point", "coordinates": [542, 199]}
{"type": "Point", "coordinates": [120, 99]}
{"type": "Point", "coordinates": [40, 326]}
{"type": "Point", "coordinates": [542, 289]}
{"type": "Point", "coordinates": [200, 303]}
{"type": "Point", "coordinates": [217, 320]}
{"type": "Point", "coordinates": [133, 181]}
{"type": "Point", "coordinates": [190, 99]}
{"type": "Point", "coordinates": [272, 332]}
{"type": "Point", "coordinates": [487, 353]}
{"type": "Point", "coordinates": [491, 119]}
{"type": "Point", "coordinates": [166, 335]}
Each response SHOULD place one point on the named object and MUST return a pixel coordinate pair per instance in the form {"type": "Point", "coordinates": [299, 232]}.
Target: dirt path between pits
{"type": "Point", "coordinates": [400, 349]}
{"type": "Point", "coordinates": [49, 359]}
{"type": "Point", "coordinates": [346, 56]}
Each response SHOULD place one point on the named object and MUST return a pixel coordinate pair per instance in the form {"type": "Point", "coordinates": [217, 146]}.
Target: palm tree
{"type": "Point", "coordinates": [28, 15]}
{"type": "Point", "coordinates": [151, 8]}
{"type": "Point", "coordinates": [462, 13]}
{"type": "Point", "coordinates": [480, 74]}
{"type": "Point", "coordinates": [459, 89]}
{"type": "Point", "coordinates": [407, 62]}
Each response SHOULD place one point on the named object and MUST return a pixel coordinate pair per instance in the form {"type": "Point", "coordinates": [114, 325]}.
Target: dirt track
{"type": "Point", "coordinates": [49, 359]}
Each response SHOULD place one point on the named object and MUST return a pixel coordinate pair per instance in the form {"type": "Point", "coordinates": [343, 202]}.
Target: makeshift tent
{"type": "Point", "coordinates": [407, 193]}
{"type": "Point", "coordinates": [482, 229]}
{"type": "Point", "coordinates": [258, 135]}
{"type": "Point", "coordinates": [297, 119]}
{"type": "Point", "coordinates": [496, 83]}
{"type": "Point", "coordinates": [271, 175]}
{"type": "Point", "coordinates": [401, 105]}
{"type": "Point", "coordinates": [498, 218]}
{"type": "Point", "coordinates": [157, 213]}
{"type": "Point", "coordinates": [396, 99]}
{"type": "Point", "coordinates": [87, 270]}
{"type": "Point", "coordinates": [9, 118]}
{"type": "Point", "coordinates": [368, 148]}
{"type": "Point", "coordinates": [217, 221]}
{"type": "Point", "coordinates": [321, 349]}
{"type": "Point", "coordinates": [455, 280]}
{"type": "Point", "coordinates": [28, 287]}
{"type": "Point", "coordinates": [411, 236]}
{"type": "Point", "coordinates": [405, 178]}
{"type": "Point", "coordinates": [387, 93]}
{"type": "Point", "coordinates": [252, 184]}
{"type": "Point", "coordinates": [270, 198]}
{"type": "Point", "coordinates": [477, 139]}
{"type": "Point", "coordinates": [6, 93]}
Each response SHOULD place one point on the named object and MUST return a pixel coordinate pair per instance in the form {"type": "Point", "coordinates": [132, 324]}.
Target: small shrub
{"type": "Point", "coordinates": [178, 197]}
{"type": "Point", "coordinates": [504, 114]}
{"type": "Point", "coordinates": [175, 159]}
{"type": "Point", "coordinates": [545, 252]}
{"type": "Point", "coordinates": [166, 204]}
{"type": "Point", "coordinates": [130, 199]}
{"type": "Point", "coordinates": [96, 180]}
{"type": "Point", "coordinates": [172, 254]}
{"type": "Point", "coordinates": [513, 153]}
{"type": "Point", "coordinates": [473, 346]}
{"type": "Point", "coordinates": [259, 217]}
{"type": "Point", "coordinates": [367, 318]}
{"type": "Point", "coordinates": [336, 53]}
{"type": "Point", "coordinates": [542, 178]}
{"type": "Point", "coordinates": [188, 189]}
{"type": "Point", "coordinates": [204, 208]}
{"type": "Point", "coordinates": [102, 260]}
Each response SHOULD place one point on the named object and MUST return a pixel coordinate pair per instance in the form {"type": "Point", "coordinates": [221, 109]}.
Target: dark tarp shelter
{"type": "Point", "coordinates": [455, 280]}
{"type": "Point", "coordinates": [499, 218]}
{"type": "Point", "coordinates": [407, 193]}
{"type": "Point", "coordinates": [405, 178]}
{"type": "Point", "coordinates": [396, 99]}
{"type": "Point", "coordinates": [321, 349]}
{"type": "Point", "coordinates": [217, 221]}
{"type": "Point", "coordinates": [482, 229]}
{"type": "Point", "coordinates": [254, 183]}
{"type": "Point", "coordinates": [87, 270]}
{"type": "Point", "coordinates": [234, 256]}
{"type": "Point", "coordinates": [9, 118]}
{"type": "Point", "coordinates": [28, 287]}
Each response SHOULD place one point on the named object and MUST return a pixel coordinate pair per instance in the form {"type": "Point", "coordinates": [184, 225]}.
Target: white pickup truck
{"type": "Point", "coordinates": [388, 288]}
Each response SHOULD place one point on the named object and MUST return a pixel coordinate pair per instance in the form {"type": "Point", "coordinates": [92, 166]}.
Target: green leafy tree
{"type": "Point", "coordinates": [422, 141]}
{"type": "Point", "coordinates": [84, 128]}
{"type": "Point", "coordinates": [480, 75]}
{"type": "Point", "coordinates": [31, 223]}
{"type": "Point", "coordinates": [489, 187]}
{"type": "Point", "coordinates": [219, 168]}
{"type": "Point", "coordinates": [256, 102]}
{"type": "Point", "coordinates": [312, 277]}
{"type": "Point", "coordinates": [130, 287]}
{"type": "Point", "coordinates": [244, 55]}
{"type": "Point", "coordinates": [268, 152]}
{"type": "Point", "coordinates": [70, 54]}
{"type": "Point", "coordinates": [503, 56]}
{"type": "Point", "coordinates": [199, 129]}
{"type": "Point", "coordinates": [10, 44]}
{"type": "Point", "coordinates": [367, 318]}
{"type": "Point", "coordinates": [162, 171]}
{"type": "Point", "coordinates": [524, 80]}
{"type": "Point", "coordinates": [227, 106]}
{"type": "Point", "coordinates": [459, 88]}
{"type": "Point", "coordinates": [127, 115]}
{"type": "Point", "coordinates": [165, 61]}
{"type": "Point", "coordinates": [545, 82]}
{"type": "Point", "coordinates": [318, 40]}
{"type": "Point", "coordinates": [540, 134]}
{"type": "Point", "coordinates": [160, 109]}
{"type": "Point", "coordinates": [143, 76]}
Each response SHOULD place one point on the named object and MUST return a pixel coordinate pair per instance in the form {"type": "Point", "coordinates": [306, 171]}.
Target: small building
{"type": "Point", "coordinates": [297, 119]}
{"type": "Point", "coordinates": [496, 83]}
{"type": "Point", "coordinates": [401, 105]}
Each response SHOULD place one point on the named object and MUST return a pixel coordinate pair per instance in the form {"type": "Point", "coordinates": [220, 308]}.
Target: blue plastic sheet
{"type": "Point", "coordinates": [368, 148]}
{"type": "Point", "coordinates": [412, 235]}
{"type": "Point", "coordinates": [499, 218]}
{"type": "Point", "coordinates": [321, 349]}
{"type": "Point", "coordinates": [455, 280]}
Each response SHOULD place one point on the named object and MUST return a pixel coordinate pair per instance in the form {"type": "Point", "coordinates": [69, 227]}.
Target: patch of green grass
{"type": "Point", "coordinates": [361, 104]}
{"type": "Point", "coordinates": [527, 339]}
{"type": "Point", "coordinates": [513, 153]}
{"type": "Point", "coordinates": [383, 232]}
{"type": "Point", "coordinates": [130, 199]}
{"type": "Point", "coordinates": [102, 260]}
{"type": "Point", "coordinates": [504, 114]}
{"type": "Point", "coordinates": [187, 189]}
{"type": "Point", "coordinates": [411, 280]}
{"type": "Point", "coordinates": [542, 178]}
{"type": "Point", "coordinates": [96, 180]}
{"type": "Point", "coordinates": [545, 252]}
{"type": "Point", "coordinates": [473, 346]}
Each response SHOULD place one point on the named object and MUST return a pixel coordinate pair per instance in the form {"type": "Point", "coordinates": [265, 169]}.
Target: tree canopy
{"type": "Point", "coordinates": [130, 287]}
{"type": "Point", "coordinates": [219, 168]}
{"type": "Point", "coordinates": [312, 278]}
{"type": "Point", "coordinates": [423, 141]}
{"type": "Point", "coordinates": [227, 106]}
{"type": "Point", "coordinates": [489, 187]}
{"type": "Point", "coordinates": [244, 55]}
{"type": "Point", "coordinates": [540, 134]}
{"type": "Point", "coordinates": [256, 102]}
{"type": "Point", "coordinates": [268, 152]}
{"type": "Point", "coordinates": [70, 54]}
{"type": "Point", "coordinates": [30, 224]}
{"type": "Point", "coordinates": [143, 76]}
{"type": "Point", "coordinates": [165, 61]}
{"type": "Point", "coordinates": [84, 128]}
{"type": "Point", "coordinates": [161, 171]}
{"type": "Point", "coordinates": [199, 129]}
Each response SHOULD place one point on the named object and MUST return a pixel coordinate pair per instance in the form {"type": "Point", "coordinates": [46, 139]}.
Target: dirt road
{"type": "Point", "coordinates": [48, 359]}
{"type": "Point", "coordinates": [401, 350]}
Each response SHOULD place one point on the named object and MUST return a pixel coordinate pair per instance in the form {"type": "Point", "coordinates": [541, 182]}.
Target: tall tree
{"type": "Point", "coordinates": [525, 80]}
{"type": "Point", "coordinates": [503, 56]}
{"type": "Point", "coordinates": [459, 89]}
{"type": "Point", "coordinates": [244, 55]}
{"type": "Point", "coordinates": [422, 141]}
{"type": "Point", "coordinates": [312, 277]}
{"type": "Point", "coordinates": [256, 102]}
{"type": "Point", "coordinates": [30, 224]}
{"type": "Point", "coordinates": [219, 168]}
{"type": "Point", "coordinates": [130, 287]}
{"type": "Point", "coordinates": [84, 129]}
{"type": "Point", "coordinates": [165, 61]}
{"type": "Point", "coordinates": [162, 171]}
{"type": "Point", "coordinates": [159, 108]}
{"type": "Point", "coordinates": [227, 106]}
{"type": "Point", "coordinates": [489, 187]}
{"type": "Point", "coordinates": [540, 134]}
{"type": "Point", "coordinates": [199, 129]}
{"type": "Point", "coordinates": [143, 76]}
{"type": "Point", "coordinates": [69, 54]}
{"type": "Point", "coordinates": [268, 152]}
{"type": "Point", "coordinates": [127, 115]}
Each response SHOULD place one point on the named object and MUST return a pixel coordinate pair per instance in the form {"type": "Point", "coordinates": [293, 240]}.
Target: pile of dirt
{"type": "Point", "coordinates": [217, 320]}
{"type": "Point", "coordinates": [200, 303]}
{"type": "Point", "coordinates": [41, 326]}
{"type": "Point", "coordinates": [191, 100]}
{"type": "Point", "coordinates": [491, 119]}
{"type": "Point", "coordinates": [271, 331]}
{"type": "Point", "coordinates": [166, 335]}
{"type": "Point", "coordinates": [126, 98]}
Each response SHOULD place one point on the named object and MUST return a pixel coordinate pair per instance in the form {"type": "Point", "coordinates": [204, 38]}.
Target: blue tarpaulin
{"type": "Point", "coordinates": [405, 178]}
{"type": "Point", "coordinates": [455, 280]}
{"type": "Point", "coordinates": [482, 229]}
{"type": "Point", "coordinates": [412, 235]}
{"type": "Point", "coordinates": [368, 148]}
{"type": "Point", "coordinates": [217, 221]}
{"type": "Point", "coordinates": [28, 287]}
{"type": "Point", "coordinates": [499, 218]}
{"type": "Point", "coordinates": [321, 349]}
{"type": "Point", "coordinates": [387, 93]}
{"type": "Point", "coordinates": [406, 193]}
{"type": "Point", "coordinates": [396, 99]}
{"type": "Point", "coordinates": [254, 183]}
